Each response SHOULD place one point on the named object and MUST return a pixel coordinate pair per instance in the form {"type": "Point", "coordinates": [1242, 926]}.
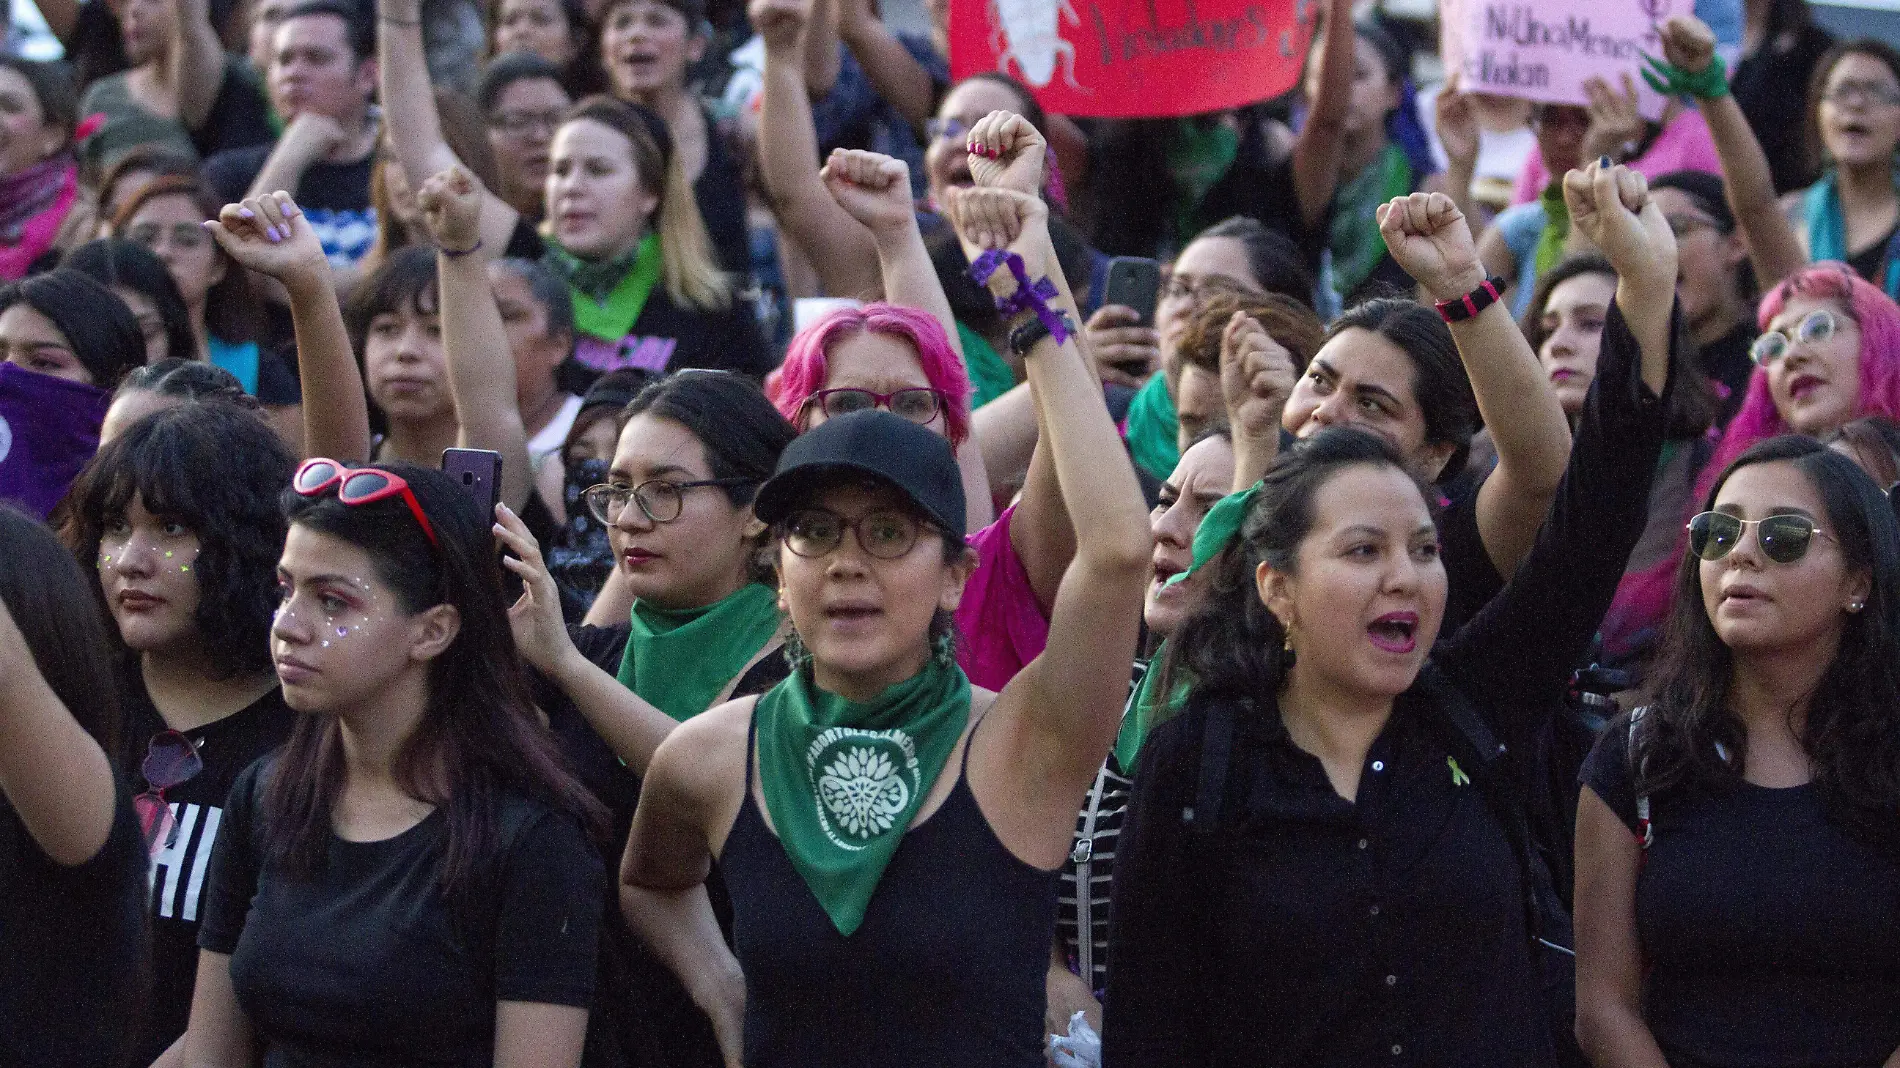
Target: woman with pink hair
{"type": "Point", "coordinates": [899, 358]}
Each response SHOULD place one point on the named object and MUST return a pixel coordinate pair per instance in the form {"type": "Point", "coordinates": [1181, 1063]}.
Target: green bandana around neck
{"type": "Point", "coordinates": [842, 780]}
{"type": "Point", "coordinates": [1152, 429]}
{"type": "Point", "coordinates": [990, 376]}
{"type": "Point", "coordinates": [1147, 707]}
{"type": "Point", "coordinates": [609, 296]}
{"type": "Point", "coordinates": [681, 660]}
{"type": "Point", "coordinates": [1199, 156]}
{"type": "Point", "coordinates": [1556, 231]}
{"type": "Point", "coordinates": [1353, 236]}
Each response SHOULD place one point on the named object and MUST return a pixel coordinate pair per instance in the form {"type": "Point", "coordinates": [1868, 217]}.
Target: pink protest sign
{"type": "Point", "coordinates": [1546, 50]}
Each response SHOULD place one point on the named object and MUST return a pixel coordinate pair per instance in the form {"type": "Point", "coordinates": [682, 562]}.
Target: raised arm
{"type": "Point", "coordinates": [481, 367]}
{"type": "Point", "coordinates": [1428, 237]}
{"type": "Point", "coordinates": [1455, 117]}
{"type": "Point", "coordinates": [1321, 144]}
{"type": "Point", "coordinates": [1773, 246]}
{"type": "Point", "coordinates": [893, 71]}
{"type": "Point", "coordinates": [840, 249]}
{"type": "Point", "coordinates": [1611, 207]}
{"type": "Point", "coordinates": [197, 62]}
{"type": "Point", "coordinates": [823, 55]}
{"type": "Point", "coordinates": [51, 771]}
{"type": "Point", "coordinates": [269, 235]}
{"type": "Point", "coordinates": [415, 129]}
{"type": "Point", "coordinates": [1256, 378]}
{"type": "Point", "coordinates": [1055, 720]}
{"type": "Point", "coordinates": [631, 727]}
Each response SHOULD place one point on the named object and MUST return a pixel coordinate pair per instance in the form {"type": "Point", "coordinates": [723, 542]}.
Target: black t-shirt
{"type": "Point", "coordinates": [1868, 262]}
{"type": "Point", "coordinates": [333, 196]}
{"type": "Point", "coordinates": [366, 962]}
{"type": "Point", "coordinates": [1472, 579]}
{"type": "Point", "coordinates": [72, 946]}
{"type": "Point", "coordinates": [1772, 88]}
{"type": "Point", "coordinates": [240, 115]}
{"type": "Point", "coordinates": [227, 747]}
{"type": "Point", "coordinates": [1770, 936]}
{"type": "Point", "coordinates": [1726, 361]}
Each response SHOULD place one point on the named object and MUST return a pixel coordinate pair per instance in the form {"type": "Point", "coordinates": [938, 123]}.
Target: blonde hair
{"type": "Point", "coordinates": [688, 268]}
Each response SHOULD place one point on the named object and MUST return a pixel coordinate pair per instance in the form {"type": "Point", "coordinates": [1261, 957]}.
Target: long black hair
{"type": "Point", "coordinates": [117, 262]}
{"type": "Point", "coordinates": [479, 737]}
{"type": "Point", "coordinates": [1849, 733]}
{"type": "Point", "coordinates": [740, 429]}
{"type": "Point", "coordinates": [1439, 381]}
{"type": "Point", "coordinates": [99, 327]}
{"type": "Point", "coordinates": [217, 470]}
{"type": "Point", "coordinates": [64, 626]}
{"type": "Point", "coordinates": [1232, 646]}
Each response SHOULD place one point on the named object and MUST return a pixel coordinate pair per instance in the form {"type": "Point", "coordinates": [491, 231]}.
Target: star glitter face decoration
{"type": "Point", "coordinates": [145, 572]}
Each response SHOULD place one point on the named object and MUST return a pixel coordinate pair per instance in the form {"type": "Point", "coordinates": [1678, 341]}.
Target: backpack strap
{"type": "Point", "coordinates": [1645, 830]}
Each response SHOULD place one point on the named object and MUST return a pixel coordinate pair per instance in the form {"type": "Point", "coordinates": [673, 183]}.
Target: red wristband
{"type": "Point", "coordinates": [1468, 306]}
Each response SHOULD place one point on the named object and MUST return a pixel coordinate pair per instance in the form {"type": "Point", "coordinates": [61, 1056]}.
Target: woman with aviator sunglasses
{"type": "Point", "coordinates": [414, 877]}
{"type": "Point", "coordinates": [177, 522]}
{"type": "Point", "coordinates": [1738, 841]}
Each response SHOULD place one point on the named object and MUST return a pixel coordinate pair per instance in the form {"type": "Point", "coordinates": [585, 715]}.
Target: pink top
{"type": "Point", "coordinates": [1000, 624]}
{"type": "Point", "coordinates": [1683, 145]}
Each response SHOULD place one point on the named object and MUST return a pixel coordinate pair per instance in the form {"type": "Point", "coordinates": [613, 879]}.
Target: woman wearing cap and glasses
{"type": "Point", "coordinates": [414, 877]}
{"type": "Point", "coordinates": [890, 834]}
{"type": "Point", "coordinates": [178, 521]}
{"type": "Point", "coordinates": [72, 865]}
{"type": "Point", "coordinates": [1737, 842]}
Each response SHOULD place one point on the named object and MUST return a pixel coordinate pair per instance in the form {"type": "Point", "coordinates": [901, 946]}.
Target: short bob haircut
{"type": "Point", "coordinates": [217, 470]}
{"type": "Point", "coordinates": [116, 262]}
{"type": "Point", "coordinates": [1850, 733]}
{"type": "Point", "coordinates": [1439, 380]}
{"type": "Point", "coordinates": [97, 324]}
{"type": "Point", "coordinates": [1879, 386]}
{"type": "Point", "coordinates": [803, 372]}
{"type": "Point", "coordinates": [479, 735]}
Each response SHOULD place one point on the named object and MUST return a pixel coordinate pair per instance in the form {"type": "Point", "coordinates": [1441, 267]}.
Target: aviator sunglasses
{"type": "Point", "coordinates": [1783, 538]}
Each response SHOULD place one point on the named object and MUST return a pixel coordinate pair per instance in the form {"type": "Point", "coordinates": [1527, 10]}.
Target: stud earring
{"type": "Point", "coordinates": [1855, 606]}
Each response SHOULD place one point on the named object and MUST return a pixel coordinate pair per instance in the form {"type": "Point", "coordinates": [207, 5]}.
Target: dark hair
{"type": "Point", "coordinates": [1290, 323]}
{"type": "Point", "coordinates": [217, 470]}
{"type": "Point", "coordinates": [741, 431]}
{"type": "Point", "coordinates": [1875, 443]}
{"type": "Point", "coordinates": [1710, 196]}
{"type": "Point", "coordinates": [479, 736]}
{"type": "Point", "coordinates": [1273, 259]}
{"type": "Point", "coordinates": [52, 85]}
{"type": "Point", "coordinates": [357, 30]}
{"type": "Point", "coordinates": [1692, 403]}
{"type": "Point", "coordinates": [548, 289]}
{"type": "Point", "coordinates": [1231, 646]}
{"type": "Point", "coordinates": [1394, 57]}
{"type": "Point", "coordinates": [99, 327]}
{"type": "Point", "coordinates": [510, 67]}
{"type": "Point", "coordinates": [1848, 735]}
{"type": "Point", "coordinates": [64, 626]}
{"type": "Point", "coordinates": [231, 313]}
{"type": "Point", "coordinates": [1871, 47]}
{"type": "Point", "coordinates": [1439, 381]}
{"type": "Point", "coordinates": [1026, 104]}
{"type": "Point", "coordinates": [162, 161]}
{"type": "Point", "coordinates": [115, 262]}
{"type": "Point", "coordinates": [607, 398]}
{"type": "Point", "coordinates": [188, 380]}
{"type": "Point", "coordinates": [405, 282]}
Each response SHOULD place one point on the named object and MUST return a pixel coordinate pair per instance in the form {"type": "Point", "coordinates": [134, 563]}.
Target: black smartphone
{"type": "Point", "coordinates": [479, 472]}
{"type": "Point", "coordinates": [1134, 282]}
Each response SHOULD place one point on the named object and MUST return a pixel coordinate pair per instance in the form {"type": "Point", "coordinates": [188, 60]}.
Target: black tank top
{"type": "Point", "coordinates": [947, 968]}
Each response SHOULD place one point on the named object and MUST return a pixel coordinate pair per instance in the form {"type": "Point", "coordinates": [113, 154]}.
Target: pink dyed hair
{"type": "Point", "coordinates": [1879, 321]}
{"type": "Point", "coordinates": [803, 372]}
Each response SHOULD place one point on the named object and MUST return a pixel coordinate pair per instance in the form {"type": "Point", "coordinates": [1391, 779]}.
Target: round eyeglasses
{"type": "Point", "coordinates": [660, 499]}
{"type": "Point", "coordinates": [1816, 327]}
{"type": "Point", "coordinates": [917, 404]}
{"type": "Point", "coordinates": [885, 534]}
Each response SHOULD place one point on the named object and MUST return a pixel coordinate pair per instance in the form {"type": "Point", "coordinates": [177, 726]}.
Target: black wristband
{"type": "Point", "coordinates": [1026, 334]}
{"type": "Point", "coordinates": [1469, 305]}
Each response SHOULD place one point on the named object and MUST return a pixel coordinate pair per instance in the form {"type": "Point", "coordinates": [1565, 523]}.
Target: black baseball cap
{"type": "Point", "coordinates": [889, 448]}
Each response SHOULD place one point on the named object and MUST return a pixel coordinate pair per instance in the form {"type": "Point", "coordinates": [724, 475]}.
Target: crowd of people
{"type": "Point", "coordinates": [1500, 675]}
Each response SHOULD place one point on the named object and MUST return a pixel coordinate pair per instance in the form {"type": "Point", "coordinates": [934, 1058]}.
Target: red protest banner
{"type": "Point", "coordinates": [1136, 58]}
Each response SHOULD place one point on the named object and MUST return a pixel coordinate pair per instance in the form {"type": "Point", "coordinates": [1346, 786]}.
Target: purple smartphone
{"type": "Point", "coordinates": [479, 472]}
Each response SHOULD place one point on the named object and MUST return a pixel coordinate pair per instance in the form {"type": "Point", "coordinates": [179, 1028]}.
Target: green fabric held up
{"type": "Point", "coordinates": [1152, 429]}
{"type": "Point", "coordinates": [1146, 709]}
{"type": "Point", "coordinates": [1199, 156]}
{"type": "Point", "coordinates": [842, 780]}
{"type": "Point", "coordinates": [1353, 236]}
{"type": "Point", "coordinates": [608, 297]}
{"type": "Point", "coordinates": [990, 376]}
{"type": "Point", "coordinates": [679, 660]}
{"type": "Point", "coordinates": [1556, 232]}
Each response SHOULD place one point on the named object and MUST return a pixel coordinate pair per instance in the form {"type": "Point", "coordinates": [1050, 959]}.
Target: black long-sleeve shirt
{"type": "Point", "coordinates": [1310, 930]}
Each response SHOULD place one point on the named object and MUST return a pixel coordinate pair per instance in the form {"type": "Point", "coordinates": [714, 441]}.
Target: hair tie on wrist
{"type": "Point", "coordinates": [455, 253]}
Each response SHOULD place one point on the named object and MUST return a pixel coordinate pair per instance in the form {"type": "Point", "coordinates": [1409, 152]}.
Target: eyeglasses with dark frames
{"type": "Point", "coordinates": [661, 500]}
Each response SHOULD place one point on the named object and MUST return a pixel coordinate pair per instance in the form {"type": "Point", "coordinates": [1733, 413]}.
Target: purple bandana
{"type": "Point", "coordinates": [49, 428]}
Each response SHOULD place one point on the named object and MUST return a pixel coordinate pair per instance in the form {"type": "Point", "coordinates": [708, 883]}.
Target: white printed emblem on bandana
{"type": "Point", "coordinates": [863, 782]}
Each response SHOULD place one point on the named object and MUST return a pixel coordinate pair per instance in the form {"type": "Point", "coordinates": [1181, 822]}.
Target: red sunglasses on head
{"type": "Point", "coordinates": [359, 485]}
